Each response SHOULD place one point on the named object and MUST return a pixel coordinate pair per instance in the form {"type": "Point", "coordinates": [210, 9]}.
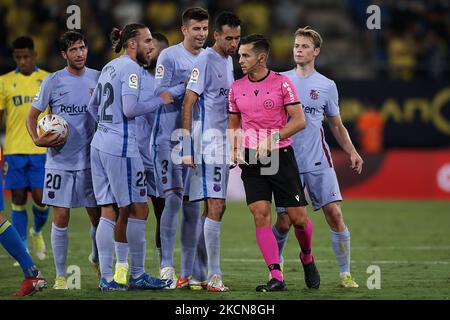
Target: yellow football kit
{"type": "Point", "coordinates": [17, 91]}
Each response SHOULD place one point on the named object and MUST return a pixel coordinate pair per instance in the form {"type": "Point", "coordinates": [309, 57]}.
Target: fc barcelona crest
{"type": "Point", "coordinates": [314, 94]}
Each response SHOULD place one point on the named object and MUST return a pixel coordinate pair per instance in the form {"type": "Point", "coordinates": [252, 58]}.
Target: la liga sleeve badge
{"type": "Point", "coordinates": [194, 75]}
{"type": "Point", "coordinates": [133, 81]}
{"type": "Point", "coordinates": [159, 73]}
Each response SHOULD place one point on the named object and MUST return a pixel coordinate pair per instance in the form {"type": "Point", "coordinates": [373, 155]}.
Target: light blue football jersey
{"type": "Point", "coordinates": [211, 79]}
{"type": "Point", "coordinates": [68, 95]}
{"type": "Point", "coordinates": [173, 69]}
{"type": "Point", "coordinates": [319, 97]}
{"type": "Point", "coordinates": [116, 134]}
{"type": "Point", "coordinates": [144, 123]}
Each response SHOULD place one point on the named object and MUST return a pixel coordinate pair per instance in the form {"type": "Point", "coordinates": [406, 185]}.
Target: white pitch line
{"type": "Point", "coordinates": [412, 248]}
{"type": "Point", "coordinates": [354, 248]}
{"type": "Point", "coordinates": [353, 261]}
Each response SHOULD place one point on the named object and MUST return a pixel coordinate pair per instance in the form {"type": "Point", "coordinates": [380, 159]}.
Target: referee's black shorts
{"type": "Point", "coordinates": [283, 180]}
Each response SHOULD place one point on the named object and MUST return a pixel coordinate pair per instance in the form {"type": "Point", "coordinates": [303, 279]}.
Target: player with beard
{"type": "Point", "coordinates": [117, 168]}
{"type": "Point", "coordinates": [207, 92]}
{"type": "Point", "coordinates": [172, 73]}
{"type": "Point", "coordinates": [144, 126]}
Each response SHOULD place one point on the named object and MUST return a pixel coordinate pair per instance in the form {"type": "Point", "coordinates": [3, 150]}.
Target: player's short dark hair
{"type": "Point", "coordinates": [119, 38]}
{"type": "Point", "coordinates": [226, 18]}
{"type": "Point", "coordinates": [68, 38]}
{"type": "Point", "coordinates": [260, 43]}
{"type": "Point", "coordinates": [24, 42]}
{"type": "Point", "coordinates": [161, 38]}
{"type": "Point", "coordinates": [195, 13]}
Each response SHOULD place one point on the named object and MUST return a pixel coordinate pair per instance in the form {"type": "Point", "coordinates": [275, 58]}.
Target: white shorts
{"type": "Point", "coordinates": [68, 189]}
{"type": "Point", "coordinates": [170, 175]}
{"type": "Point", "coordinates": [209, 181]}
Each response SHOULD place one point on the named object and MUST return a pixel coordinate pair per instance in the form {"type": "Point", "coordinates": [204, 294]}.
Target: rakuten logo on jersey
{"type": "Point", "coordinates": [310, 110]}
{"type": "Point", "coordinates": [73, 110]}
{"type": "Point", "coordinates": [223, 92]}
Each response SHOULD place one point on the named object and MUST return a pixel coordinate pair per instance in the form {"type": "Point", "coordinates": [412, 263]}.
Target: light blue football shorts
{"type": "Point", "coordinates": [118, 179]}
{"type": "Point", "coordinates": [68, 189]}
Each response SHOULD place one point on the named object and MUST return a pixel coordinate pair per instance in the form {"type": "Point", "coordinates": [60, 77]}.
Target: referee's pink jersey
{"type": "Point", "coordinates": [261, 105]}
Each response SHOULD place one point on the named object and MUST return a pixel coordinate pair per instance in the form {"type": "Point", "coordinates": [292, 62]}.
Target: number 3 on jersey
{"type": "Point", "coordinates": [108, 91]}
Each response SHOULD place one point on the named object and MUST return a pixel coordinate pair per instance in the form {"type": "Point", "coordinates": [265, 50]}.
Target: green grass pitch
{"type": "Point", "coordinates": [408, 240]}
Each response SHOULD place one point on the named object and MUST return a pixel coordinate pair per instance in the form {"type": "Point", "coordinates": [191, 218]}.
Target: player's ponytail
{"type": "Point", "coordinates": [119, 38]}
{"type": "Point", "coordinates": [115, 37]}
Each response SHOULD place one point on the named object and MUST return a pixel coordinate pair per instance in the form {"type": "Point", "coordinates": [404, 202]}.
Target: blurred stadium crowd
{"type": "Point", "coordinates": [413, 42]}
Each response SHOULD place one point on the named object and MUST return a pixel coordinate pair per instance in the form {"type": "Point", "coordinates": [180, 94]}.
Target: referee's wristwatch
{"type": "Point", "coordinates": [276, 136]}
